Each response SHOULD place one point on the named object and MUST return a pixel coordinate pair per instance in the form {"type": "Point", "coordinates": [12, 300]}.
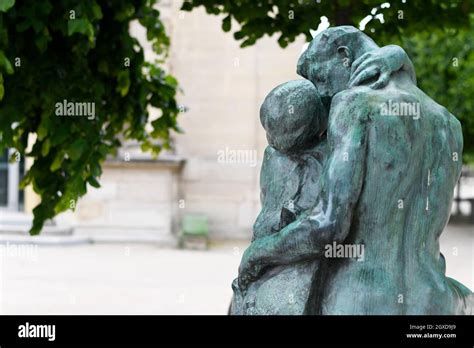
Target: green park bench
{"type": "Point", "coordinates": [195, 232]}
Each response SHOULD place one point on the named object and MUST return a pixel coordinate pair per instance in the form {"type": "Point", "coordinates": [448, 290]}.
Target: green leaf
{"type": "Point", "coordinates": [123, 82]}
{"type": "Point", "coordinates": [171, 80]}
{"type": "Point", "coordinates": [96, 10]}
{"type": "Point", "coordinates": [5, 63]}
{"type": "Point", "coordinates": [43, 129]}
{"type": "Point", "coordinates": [81, 26]}
{"type": "Point", "coordinates": [64, 203]}
{"type": "Point", "coordinates": [96, 171]}
{"type": "Point", "coordinates": [93, 182]}
{"type": "Point", "coordinates": [76, 149]}
{"type": "Point", "coordinates": [5, 5]}
{"type": "Point", "coordinates": [58, 160]}
{"type": "Point", "coordinates": [45, 148]}
{"type": "Point", "coordinates": [59, 135]}
{"type": "Point", "coordinates": [226, 23]}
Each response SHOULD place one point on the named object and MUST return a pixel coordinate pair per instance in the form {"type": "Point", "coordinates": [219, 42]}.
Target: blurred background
{"type": "Point", "coordinates": [126, 248]}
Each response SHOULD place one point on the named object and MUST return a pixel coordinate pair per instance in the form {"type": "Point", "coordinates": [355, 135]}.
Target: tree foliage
{"type": "Point", "coordinates": [444, 62]}
{"type": "Point", "coordinates": [291, 18]}
{"type": "Point", "coordinates": [79, 51]}
{"type": "Point", "coordinates": [437, 35]}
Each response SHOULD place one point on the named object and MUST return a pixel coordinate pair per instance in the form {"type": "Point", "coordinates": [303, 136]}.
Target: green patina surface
{"type": "Point", "coordinates": [359, 156]}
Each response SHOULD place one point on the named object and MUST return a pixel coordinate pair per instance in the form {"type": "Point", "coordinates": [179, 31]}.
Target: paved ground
{"type": "Point", "coordinates": [116, 279]}
{"type": "Point", "coordinates": [143, 279]}
{"type": "Point", "coordinates": [457, 246]}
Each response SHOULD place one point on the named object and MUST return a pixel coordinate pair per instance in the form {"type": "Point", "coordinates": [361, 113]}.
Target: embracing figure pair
{"type": "Point", "coordinates": [340, 168]}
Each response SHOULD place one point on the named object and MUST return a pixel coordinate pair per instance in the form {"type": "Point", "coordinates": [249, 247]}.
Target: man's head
{"type": "Point", "coordinates": [328, 59]}
{"type": "Point", "coordinates": [293, 116]}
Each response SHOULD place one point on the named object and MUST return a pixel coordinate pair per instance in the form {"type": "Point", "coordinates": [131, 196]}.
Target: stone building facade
{"type": "Point", "coordinates": [214, 167]}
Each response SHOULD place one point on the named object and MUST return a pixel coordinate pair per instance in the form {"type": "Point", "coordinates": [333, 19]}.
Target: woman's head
{"type": "Point", "coordinates": [293, 116]}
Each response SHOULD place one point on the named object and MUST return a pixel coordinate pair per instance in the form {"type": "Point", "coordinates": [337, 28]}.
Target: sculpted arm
{"type": "Point", "coordinates": [341, 185]}
{"type": "Point", "coordinates": [264, 222]}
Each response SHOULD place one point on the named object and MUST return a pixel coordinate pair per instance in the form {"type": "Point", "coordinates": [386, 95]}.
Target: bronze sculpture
{"type": "Point", "coordinates": [388, 160]}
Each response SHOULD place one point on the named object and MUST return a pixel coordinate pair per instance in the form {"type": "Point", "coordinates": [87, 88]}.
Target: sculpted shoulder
{"type": "Point", "coordinates": [456, 128]}
{"type": "Point", "coordinates": [357, 102]}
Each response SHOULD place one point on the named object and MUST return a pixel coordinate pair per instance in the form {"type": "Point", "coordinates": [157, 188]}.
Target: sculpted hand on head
{"type": "Point", "coordinates": [380, 64]}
